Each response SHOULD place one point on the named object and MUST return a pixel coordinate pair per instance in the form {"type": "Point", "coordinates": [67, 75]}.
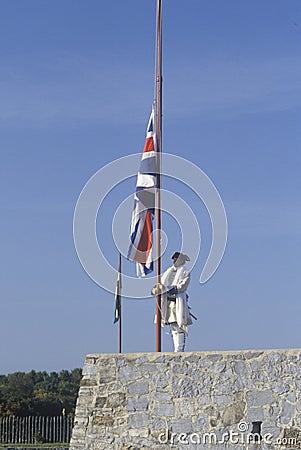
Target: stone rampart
{"type": "Point", "coordinates": [243, 400]}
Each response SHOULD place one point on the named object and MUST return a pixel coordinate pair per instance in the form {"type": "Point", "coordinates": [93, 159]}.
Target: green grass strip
{"type": "Point", "coordinates": [34, 445]}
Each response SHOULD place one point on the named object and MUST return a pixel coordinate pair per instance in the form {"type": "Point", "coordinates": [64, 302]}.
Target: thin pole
{"type": "Point", "coordinates": [159, 165]}
{"type": "Point", "coordinates": [119, 303]}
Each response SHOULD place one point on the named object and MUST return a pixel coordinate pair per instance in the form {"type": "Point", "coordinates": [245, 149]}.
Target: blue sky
{"type": "Point", "coordinates": [76, 86]}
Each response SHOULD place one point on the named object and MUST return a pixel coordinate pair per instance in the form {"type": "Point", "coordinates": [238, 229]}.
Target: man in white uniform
{"type": "Point", "coordinates": [174, 309]}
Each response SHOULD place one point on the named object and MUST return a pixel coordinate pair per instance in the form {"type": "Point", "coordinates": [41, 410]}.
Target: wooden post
{"type": "Point", "coordinates": [119, 304]}
{"type": "Point", "coordinates": [159, 169]}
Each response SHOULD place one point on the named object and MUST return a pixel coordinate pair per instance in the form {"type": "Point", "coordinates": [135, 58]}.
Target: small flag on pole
{"type": "Point", "coordinates": [117, 310]}
{"type": "Point", "coordinates": [140, 249]}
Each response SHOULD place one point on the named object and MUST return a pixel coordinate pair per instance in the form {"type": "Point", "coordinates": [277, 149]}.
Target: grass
{"type": "Point", "coordinates": [34, 445]}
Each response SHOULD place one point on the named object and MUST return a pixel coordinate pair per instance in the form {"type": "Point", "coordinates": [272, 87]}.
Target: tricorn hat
{"type": "Point", "coordinates": [181, 256]}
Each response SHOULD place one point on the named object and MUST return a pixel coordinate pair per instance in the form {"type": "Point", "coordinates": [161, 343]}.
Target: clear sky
{"type": "Point", "coordinates": [76, 87]}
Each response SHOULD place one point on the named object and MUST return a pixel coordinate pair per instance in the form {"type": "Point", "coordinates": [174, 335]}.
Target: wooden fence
{"type": "Point", "coordinates": [35, 429]}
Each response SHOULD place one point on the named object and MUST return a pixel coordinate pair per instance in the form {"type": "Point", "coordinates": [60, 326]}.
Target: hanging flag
{"type": "Point", "coordinates": [118, 293]}
{"type": "Point", "coordinates": [140, 249]}
{"type": "Point", "coordinates": [117, 303]}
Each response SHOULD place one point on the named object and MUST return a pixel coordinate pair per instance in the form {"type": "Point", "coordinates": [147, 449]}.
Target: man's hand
{"type": "Point", "coordinates": [157, 289]}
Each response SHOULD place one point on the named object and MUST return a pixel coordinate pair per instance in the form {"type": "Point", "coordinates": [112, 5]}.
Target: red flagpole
{"type": "Point", "coordinates": [159, 165]}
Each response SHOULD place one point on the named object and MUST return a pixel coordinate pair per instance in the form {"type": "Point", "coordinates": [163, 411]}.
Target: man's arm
{"type": "Point", "coordinates": [183, 284]}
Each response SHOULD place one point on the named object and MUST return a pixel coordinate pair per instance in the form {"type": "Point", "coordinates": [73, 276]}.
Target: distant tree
{"type": "Point", "coordinates": [39, 393]}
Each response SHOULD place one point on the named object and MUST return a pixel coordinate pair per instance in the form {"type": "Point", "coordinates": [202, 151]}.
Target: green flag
{"type": "Point", "coordinates": [118, 293]}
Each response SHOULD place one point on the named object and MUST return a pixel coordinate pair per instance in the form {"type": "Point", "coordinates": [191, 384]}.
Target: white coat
{"type": "Point", "coordinates": [176, 311]}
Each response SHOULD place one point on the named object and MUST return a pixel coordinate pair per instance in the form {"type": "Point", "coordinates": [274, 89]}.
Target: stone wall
{"type": "Point", "coordinates": [240, 400]}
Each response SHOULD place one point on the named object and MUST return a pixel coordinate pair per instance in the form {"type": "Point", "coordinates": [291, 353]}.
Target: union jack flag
{"type": "Point", "coordinates": [140, 249]}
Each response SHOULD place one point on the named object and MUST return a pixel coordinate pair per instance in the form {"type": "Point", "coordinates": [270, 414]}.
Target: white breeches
{"type": "Point", "coordinates": [178, 337]}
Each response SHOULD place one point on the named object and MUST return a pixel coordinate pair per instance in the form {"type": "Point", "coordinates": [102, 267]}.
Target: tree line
{"type": "Point", "coordinates": [39, 393]}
